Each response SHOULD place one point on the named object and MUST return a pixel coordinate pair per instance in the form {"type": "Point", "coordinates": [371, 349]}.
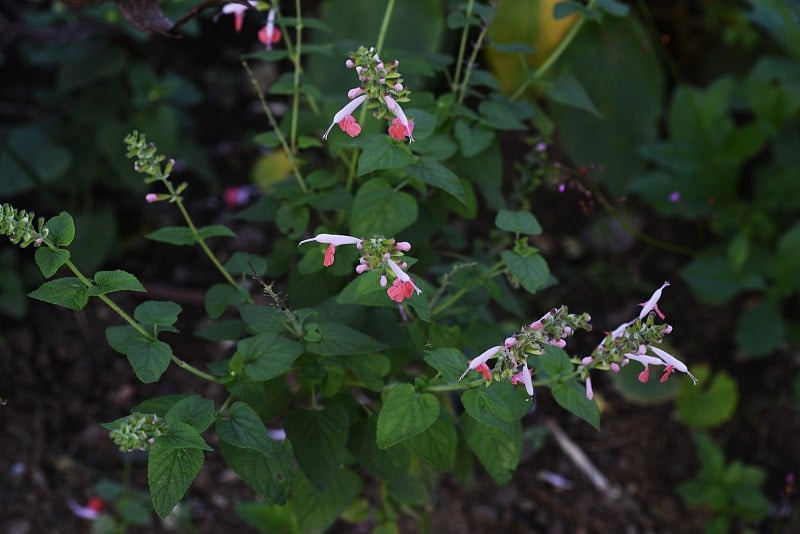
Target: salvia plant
{"type": "Point", "coordinates": [389, 368]}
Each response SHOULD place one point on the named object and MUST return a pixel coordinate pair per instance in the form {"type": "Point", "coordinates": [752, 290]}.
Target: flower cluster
{"type": "Point", "coordinates": [18, 226]}
{"type": "Point", "coordinates": [381, 87]}
{"type": "Point", "coordinates": [138, 431]}
{"type": "Point", "coordinates": [377, 254]}
{"type": "Point", "coordinates": [636, 340]}
{"type": "Point", "coordinates": [553, 328]}
{"type": "Point", "coordinates": [268, 34]}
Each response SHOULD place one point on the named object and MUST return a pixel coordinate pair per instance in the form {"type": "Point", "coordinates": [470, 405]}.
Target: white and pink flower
{"type": "Point", "coordinates": [333, 241]}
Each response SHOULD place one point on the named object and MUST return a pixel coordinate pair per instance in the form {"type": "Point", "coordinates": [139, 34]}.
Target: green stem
{"type": "Point", "coordinates": [555, 54]}
{"type": "Point", "coordinates": [493, 271]}
{"type": "Point", "coordinates": [471, 63]}
{"type": "Point", "coordinates": [128, 319]}
{"type": "Point", "coordinates": [224, 407]}
{"type": "Point", "coordinates": [281, 139]}
{"type": "Point", "coordinates": [462, 48]}
{"type": "Point", "coordinates": [297, 71]}
{"type": "Point", "coordinates": [387, 16]}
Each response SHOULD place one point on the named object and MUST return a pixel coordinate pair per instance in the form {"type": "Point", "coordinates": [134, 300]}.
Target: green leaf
{"type": "Point", "coordinates": [267, 355]}
{"type": "Point", "coordinates": [365, 290]}
{"type": "Point", "coordinates": [567, 90]}
{"type": "Point", "coordinates": [500, 115]}
{"type": "Point", "coordinates": [159, 314]}
{"type": "Point", "coordinates": [316, 510]}
{"type": "Point", "coordinates": [437, 443]}
{"type": "Point", "coordinates": [268, 470]}
{"type": "Point", "coordinates": [220, 296]}
{"type": "Point", "coordinates": [182, 436]}
{"type": "Point", "coordinates": [498, 453]}
{"type": "Point", "coordinates": [225, 330]}
{"type": "Point", "coordinates": [572, 398]}
{"type": "Point", "coordinates": [613, 7]}
{"type": "Point", "coordinates": [242, 428]}
{"type": "Point", "coordinates": [170, 472]}
{"type": "Point", "coordinates": [379, 209]}
{"type": "Point", "coordinates": [174, 235]}
{"type": "Point", "coordinates": [381, 152]}
{"type": "Point", "coordinates": [499, 406]}
{"type": "Point", "coordinates": [109, 281]}
{"type": "Point", "coordinates": [787, 268]}
{"type": "Point", "coordinates": [710, 404]}
{"type": "Point", "coordinates": [434, 173]}
{"type": "Point", "coordinates": [472, 138]}
{"type": "Point", "coordinates": [338, 339]}
{"type": "Point", "coordinates": [531, 270]}
{"type": "Point", "coordinates": [405, 414]}
{"type": "Point", "coordinates": [566, 8]}
{"type": "Point", "coordinates": [68, 292]}
{"type": "Point", "coordinates": [50, 261]}
{"type": "Point", "coordinates": [158, 405]}
{"type": "Point", "coordinates": [449, 362]}
{"type": "Point", "coordinates": [554, 362]}
{"type": "Point", "coordinates": [149, 358]}
{"type": "Point", "coordinates": [194, 410]}
{"type": "Point", "coordinates": [369, 368]}
{"type": "Point", "coordinates": [760, 328]}
{"type": "Point", "coordinates": [215, 230]}
{"type": "Point", "coordinates": [119, 336]}
{"type": "Point", "coordinates": [319, 439]}
{"type": "Point", "coordinates": [523, 222]}
{"type": "Point", "coordinates": [244, 262]}
{"type": "Point", "coordinates": [715, 281]}
{"type": "Point", "coordinates": [261, 318]}
{"type": "Point", "coordinates": [61, 229]}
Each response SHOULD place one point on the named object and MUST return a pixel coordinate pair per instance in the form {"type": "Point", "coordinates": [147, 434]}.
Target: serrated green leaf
{"type": "Point", "coordinates": [174, 235]}
{"type": "Point", "coordinates": [496, 451]}
{"type": "Point", "coordinates": [449, 362]}
{"type": "Point", "coordinates": [170, 472]}
{"type": "Point", "coordinates": [500, 115]}
{"type": "Point", "coordinates": [369, 368]}
{"type": "Point", "coordinates": [50, 261]}
{"type": "Point", "coordinates": [472, 138]}
{"type": "Point", "coordinates": [572, 398]}
{"type": "Point", "coordinates": [437, 443]}
{"type": "Point", "coordinates": [710, 404]}
{"type": "Point", "coordinates": [319, 439]}
{"type": "Point", "coordinates": [388, 464]}
{"type": "Point", "coordinates": [118, 280]}
{"type": "Point", "coordinates": [68, 292]}
{"type": "Point", "coordinates": [119, 336]}
{"type": "Point", "coordinates": [498, 406]}
{"type": "Point", "coordinates": [215, 230]}
{"type": "Point", "coordinates": [554, 362]}
{"type": "Point", "coordinates": [317, 510]}
{"type": "Point", "coordinates": [157, 313]}
{"type": "Point", "coordinates": [242, 428]}
{"type": "Point", "coordinates": [158, 405]}
{"type": "Point", "coordinates": [148, 358]}
{"type": "Point", "coordinates": [338, 339]}
{"type": "Point", "coordinates": [405, 414]}
{"type": "Point", "coordinates": [434, 173]}
{"type": "Point", "coordinates": [365, 290]}
{"type": "Point", "coordinates": [182, 435]}
{"type": "Point", "coordinates": [567, 90]}
{"type": "Point", "coordinates": [531, 270]}
{"type": "Point", "coordinates": [194, 410]}
{"type": "Point", "coordinates": [268, 470]}
{"type": "Point", "coordinates": [61, 229]}
{"type": "Point", "coordinates": [220, 296]}
{"type": "Point", "coordinates": [378, 208]}
{"type": "Point", "coordinates": [262, 318]}
{"type": "Point", "coordinates": [523, 222]}
{"type": "Point", "coordinates": [380, 152]}
{"type": "Point", "coordinates": [267, 355]}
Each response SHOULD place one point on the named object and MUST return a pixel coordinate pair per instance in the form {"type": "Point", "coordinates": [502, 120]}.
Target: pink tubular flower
{"type": "Point", "coordinates": [672, 364]}
{"type": "Point", "coordinates": [237, 10]}
{"type": "Point", "coordinates": [525, 377]}
{"type": "Point", "coordinates": [398, 131]}
{"type": "Point", "coordinates": [481, 359]}
{"type": "Point", "coordinates": [91, 511]}
{"type": "Point", "coordinates": [269, 34]}
{"type": "Point", "coordinates": [403, 286]}
{"type": "Point", "coordinates": [333, 241]}
{"type": "Point", "coordinates": [652, 303]}
{"type": "Point", "coordinates": [354, 92]}
{"type": "Point", "coordinates": [344, 113]}
{"type": "Point", "coordinates": [350, 126]}
{"type": "Point", "coordinates": [647, 361]}
{"type": "Point", "coordinates": [485, 371]}
{"type": "Point", "coordinates": [394, 107]}
{"type": "Point", "coordinates": [151, 197]}
{"type": "Point", "coordinates": [589, 390]}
